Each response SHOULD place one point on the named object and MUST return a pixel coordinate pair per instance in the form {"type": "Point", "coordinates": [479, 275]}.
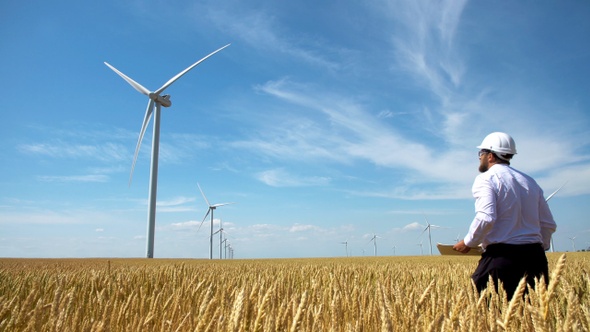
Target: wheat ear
{"type": "Point", "coordinates": [553, 282]}
{"type": "Point", "coordinates": [513, 303]}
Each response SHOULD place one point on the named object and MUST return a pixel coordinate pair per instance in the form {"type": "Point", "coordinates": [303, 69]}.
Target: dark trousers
{"type": "Point", "coordinates": [509, 263]}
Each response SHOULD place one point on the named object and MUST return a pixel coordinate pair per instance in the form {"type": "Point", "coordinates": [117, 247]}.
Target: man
{"type": "Point", "coordinates": [513, 223]}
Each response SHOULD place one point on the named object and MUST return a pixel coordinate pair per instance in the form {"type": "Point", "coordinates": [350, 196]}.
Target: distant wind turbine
{"type": "Point", "coordinates": [345, 243]}
{"type": "Point", "coordinates": [374, 239]}
{"type": "Point", "coordinates": [225, 247]}
{"type": "Point", "coordinates": [221, 240]}
{"type": "Point", "coordinates": [393, 250]}
{"type": "Point", "coordinates": [156, 101]}
{"type": "Point", "coordinates": [547, 200]}
{"type": "Point", "coordinates": [210, 211]}
{"type": "Point", "coordinates": [573, 243]}
{"type": "Point", "coordinates": [421, 251]}
{"type": "Point", "coordinates": [428, 227]}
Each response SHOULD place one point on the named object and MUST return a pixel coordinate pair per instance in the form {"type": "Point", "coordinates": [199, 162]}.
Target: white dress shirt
{"type": "Point", "coordinates": [509, 208]}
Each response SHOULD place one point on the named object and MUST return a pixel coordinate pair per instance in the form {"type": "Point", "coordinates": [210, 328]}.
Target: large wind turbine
{"type": "Point", "coordinates": [156, 101]}
{"type": "Point", "coordinates": [210, 210]}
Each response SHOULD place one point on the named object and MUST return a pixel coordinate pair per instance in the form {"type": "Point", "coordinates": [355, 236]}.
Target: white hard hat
{"type": "Point", "coordinates": [500, 143]}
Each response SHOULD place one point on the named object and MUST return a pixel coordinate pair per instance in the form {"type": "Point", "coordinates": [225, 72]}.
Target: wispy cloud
{"type": "Point", "coordinates": [74, 178]}
{"type": "Point", "coordinates": [282, 178]}
{"type": "Point", "coordinates": [177, 204]}
{"type": "Point", "coordinates": [425, 48]}
{"type": "Point", "coordinates": [352, 133]}
{"type": "Point", "coordinates": [63, 149]}
{"type": "Point", "coordinates": [260, 30]}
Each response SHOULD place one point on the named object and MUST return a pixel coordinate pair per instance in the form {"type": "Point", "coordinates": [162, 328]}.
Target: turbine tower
{"type": "Point", "coordinates": [156, 101]}
{"type": "Point", "coordinates": [210, 210]}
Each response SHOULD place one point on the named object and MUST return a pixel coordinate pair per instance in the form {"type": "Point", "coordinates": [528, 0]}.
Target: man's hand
{"type": "Point", "coordinates": [461, 247]}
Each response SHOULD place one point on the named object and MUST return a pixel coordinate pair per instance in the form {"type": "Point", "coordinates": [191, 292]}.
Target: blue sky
{"type": "Point", "coordinates": [325, 122]}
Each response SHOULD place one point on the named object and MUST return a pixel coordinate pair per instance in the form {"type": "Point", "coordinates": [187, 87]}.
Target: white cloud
{"type": "Point", "coordinates": [303, 228]}
{"type": "Point", "coordinates": [74, 178]}
{"type": "Point", "coordinates": [282, 178]}
{"type": "Point", "coordinates": [177, 204]}
{"type": "Point", "coordinates": [61, 149]}
{"type": "Point", "coordinates": [186, 225]}
{"type": "Point", "coordinates": [413, 227]}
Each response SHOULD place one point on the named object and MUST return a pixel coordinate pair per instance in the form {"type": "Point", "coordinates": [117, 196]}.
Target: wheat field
{"type": "Point", "coordinates": [331, 294]}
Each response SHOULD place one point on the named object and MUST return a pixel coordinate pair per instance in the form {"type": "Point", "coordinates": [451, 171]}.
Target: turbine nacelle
{"type": "Point", "coordinates": [162, 100]}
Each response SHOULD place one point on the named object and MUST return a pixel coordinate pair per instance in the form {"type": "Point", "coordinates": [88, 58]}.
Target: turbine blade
{"type": "Point", "coordinates": [205, 197]}
{"type": "Point", "coordinates": [555, 192]}
{"type": "Point", "coordinates": [425, 229]}
{"type": "Point", "coordinates": [134, 84]}
{"type": "Point", "coordinates": [146, 121]}
{"type": "Point", "coordinates": [427, 222]}
{"type": "Point", "coordinates": [173, 79]}
{"type": "Point", "coordinates": [222, 204]}
{"type": "Point", "coordinates": [204, 218]}
{"type": "Point", "coordinates": [206, 215]}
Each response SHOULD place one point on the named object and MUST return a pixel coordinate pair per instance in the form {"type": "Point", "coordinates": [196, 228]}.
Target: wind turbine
{"type": "Point", "coordinates": [210, 210]}
{"type": "Point", "coordinates": [573, 243]}
{"type": "Point", "coordinates": [225, 247]}
{"type": "Point", "coordinates": [547, 200]}
{"type": "Point", "coordinates": [374, 239]}
{"type": "Point", "coordinates": [221, 240]}
{"type": "Point", "coordinates": [428, 227]}
{"type": "Point", "coordinates": [393, 250]}
{"type": "Point", "coordinates": [156, 101]}
{"type": "Point", "coordinates": [220, 237]}
{"type": "Point", "coordinates": [421, 251]}
{"type": "Point", "coordinates": [345, 243]}
{"type": "Point", "coordinates": [231, 252]}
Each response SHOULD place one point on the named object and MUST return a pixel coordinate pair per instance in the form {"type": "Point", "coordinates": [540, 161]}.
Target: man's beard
{"type": "Point", "coordinates": [483, 166]}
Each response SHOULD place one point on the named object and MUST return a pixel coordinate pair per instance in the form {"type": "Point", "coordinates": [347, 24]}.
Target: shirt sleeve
{"type": "Point", "coordinates": [548, 225]}
{"type": "Point", "coordinates": [485, 212]}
